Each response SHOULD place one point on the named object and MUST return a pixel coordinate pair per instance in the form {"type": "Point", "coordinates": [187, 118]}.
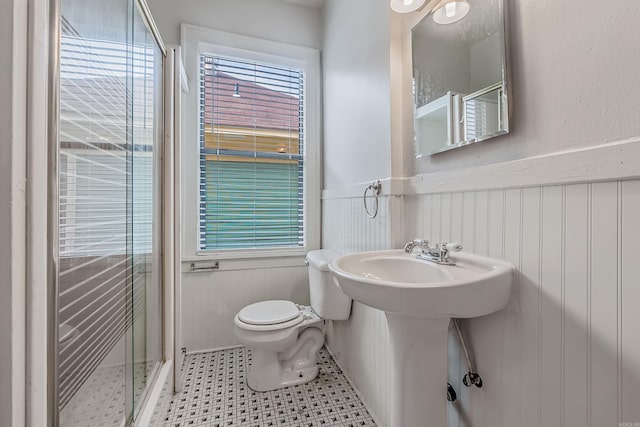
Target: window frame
{"type": "Point", "coordinates": [198, 40]}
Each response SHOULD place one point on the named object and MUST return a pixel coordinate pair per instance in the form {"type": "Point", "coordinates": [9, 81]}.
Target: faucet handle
{"type": "Point", "coordinates": [408, 247]}
{"type": "Point", "coordinates": [452, 247]}
{"type": "Point", "coordinates": [445, 248]}
{"type": "Point", "coordinates": [421, 243]}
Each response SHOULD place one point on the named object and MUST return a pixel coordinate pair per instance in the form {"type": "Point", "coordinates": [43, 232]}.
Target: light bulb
{"type": "Point", "coordinates": [450, 9]}
{"type": "Point", "coordinates": [406, 6]}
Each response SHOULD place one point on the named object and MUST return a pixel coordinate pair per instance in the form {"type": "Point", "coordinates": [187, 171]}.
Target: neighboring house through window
{"type": "Point", "coordinates": [251, 154]}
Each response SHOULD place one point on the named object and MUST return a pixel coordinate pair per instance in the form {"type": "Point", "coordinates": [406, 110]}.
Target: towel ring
{"type": "Point", "coordinates": [375, 187]}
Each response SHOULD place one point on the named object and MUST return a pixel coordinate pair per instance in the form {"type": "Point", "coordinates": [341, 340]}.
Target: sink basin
{"type": "Point", "coordinates": [419, 297]}
{"type": "Point", "coordinates": [396, 282]}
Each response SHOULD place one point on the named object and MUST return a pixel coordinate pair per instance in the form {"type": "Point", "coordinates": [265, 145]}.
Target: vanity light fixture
{"type": "Point", "coordinates": [445, 12]}
{"type": "Point", "coordinates": [406, 6]}
{"type": "Point", "coordinates": [450, 11]}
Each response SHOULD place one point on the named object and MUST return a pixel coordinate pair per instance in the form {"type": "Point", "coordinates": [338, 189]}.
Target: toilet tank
{"type": "Point", "coordinates": [327, 299]}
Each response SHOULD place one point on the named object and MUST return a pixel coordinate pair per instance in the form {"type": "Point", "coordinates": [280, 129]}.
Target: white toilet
{"type": "Point", "coordinates": [284, 336]}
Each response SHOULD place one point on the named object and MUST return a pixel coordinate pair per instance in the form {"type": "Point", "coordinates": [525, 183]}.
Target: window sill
{"type": "Point", "coordinates": [248, 253]}
{"type": "Point", "coordinates": [244, 260]}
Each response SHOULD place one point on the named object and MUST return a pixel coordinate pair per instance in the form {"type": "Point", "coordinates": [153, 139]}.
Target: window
{"type": "Point", "coordinates": [251, 154]}
{"type": "Point", "coordinates": [250, 163]}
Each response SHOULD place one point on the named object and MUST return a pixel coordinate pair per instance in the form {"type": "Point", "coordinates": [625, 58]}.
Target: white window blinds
{"type": "Point", "coordinates": [251, 155]}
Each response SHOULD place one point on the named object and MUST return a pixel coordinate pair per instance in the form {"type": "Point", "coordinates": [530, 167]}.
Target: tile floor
{"type": "Point", "coordinates": [215, 394]}
{"type": "Point", "coordinates": [100, 402]}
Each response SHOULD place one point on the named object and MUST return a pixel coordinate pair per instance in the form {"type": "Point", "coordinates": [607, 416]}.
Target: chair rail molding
{"type": "Point", "coordinates": [607, 162]}
{"type": "Point", "coordinates": [390, 187]}
{"type": "Point", "coordinates": [613, 161]}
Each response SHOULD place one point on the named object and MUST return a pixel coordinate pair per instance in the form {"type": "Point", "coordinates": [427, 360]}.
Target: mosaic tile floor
{"type": "Point", "coordinates": [215, 394]}
{"type": "Point", "coordinates": [100, 402]}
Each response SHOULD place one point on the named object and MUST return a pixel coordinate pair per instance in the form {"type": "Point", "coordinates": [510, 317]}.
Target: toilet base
{"type": "Point", "coordinates": [257, 381]}
{"type": "Point", "coordinates": [270, 370]}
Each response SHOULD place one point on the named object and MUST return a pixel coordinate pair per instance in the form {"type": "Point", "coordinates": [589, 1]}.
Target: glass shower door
{"type": "Point", "coordinates": [109, 187]}
{"type": "Point", "coordinates": [93, 181]}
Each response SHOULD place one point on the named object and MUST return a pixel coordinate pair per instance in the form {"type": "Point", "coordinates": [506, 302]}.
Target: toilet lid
{"type": "Point", "coordinates": [269, 312]}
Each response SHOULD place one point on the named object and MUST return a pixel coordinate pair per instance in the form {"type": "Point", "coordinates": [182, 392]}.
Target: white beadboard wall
{"type": "Point", "coordinates": [360, 344]}
{"type": "Point", "coordinates": [566, 351]}
{"type": "Point", "coordinates": [346, 228]}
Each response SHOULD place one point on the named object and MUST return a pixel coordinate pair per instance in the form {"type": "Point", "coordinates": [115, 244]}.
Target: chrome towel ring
{"type": "Point", "coordinates": [376, 188]}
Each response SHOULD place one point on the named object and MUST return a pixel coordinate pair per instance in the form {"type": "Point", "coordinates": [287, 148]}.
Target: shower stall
{"type": "Point", "coordinates": [108, 246]}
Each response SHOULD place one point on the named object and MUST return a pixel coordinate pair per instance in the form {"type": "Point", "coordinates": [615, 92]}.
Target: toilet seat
{"type": "Point", "coordinates": [269, 312]}
{"type": "Point", "coordinates": [269, 316]}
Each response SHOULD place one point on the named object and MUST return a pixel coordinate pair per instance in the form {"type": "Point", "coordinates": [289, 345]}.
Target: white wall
{"type": "Point", "coordinates": [562, 353]}
{"type": "Point", "coordinates": [268, 19]}
{"type": "Point", "coordinates": [357, 117]}
{"type": "Point", "coordinates": [13, 54]}
{"type": "Point", "coordinates": [210, 300]}
{"type": "Point", "coordinates": [575, 81]}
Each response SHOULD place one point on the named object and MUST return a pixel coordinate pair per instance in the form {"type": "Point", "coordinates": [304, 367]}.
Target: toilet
{"type": "Point", "coordinates": [285, 336]}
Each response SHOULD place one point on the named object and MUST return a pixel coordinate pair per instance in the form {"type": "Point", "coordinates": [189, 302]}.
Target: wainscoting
{"type": "Point", "coordinates": [211, 299]}
{"type": "Point", "coordinates": [346, 227]}
{"type": "Point", "coordinates": [565, 352]}
{"type": "Point", "coordinates": [361, 344]}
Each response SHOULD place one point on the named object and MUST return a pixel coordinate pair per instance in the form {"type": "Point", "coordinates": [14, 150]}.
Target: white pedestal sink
{"type": "Point", "coordinates": [419, 297]}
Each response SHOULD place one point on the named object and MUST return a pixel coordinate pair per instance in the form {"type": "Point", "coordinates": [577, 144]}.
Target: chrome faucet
{"type": "Point", "coordinates": [439, 253]}
{"type": "Point", "coordinates": [422, 244]}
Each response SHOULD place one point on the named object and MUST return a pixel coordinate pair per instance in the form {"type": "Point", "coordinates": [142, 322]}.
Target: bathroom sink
{"type": "Point", "coordinates": [397, 282]}
{"type": "Point", "coordinates": [419, 297]}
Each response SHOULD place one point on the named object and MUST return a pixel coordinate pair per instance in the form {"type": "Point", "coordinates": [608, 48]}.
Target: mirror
{"type": "Point", "coordinates": [460, 79]}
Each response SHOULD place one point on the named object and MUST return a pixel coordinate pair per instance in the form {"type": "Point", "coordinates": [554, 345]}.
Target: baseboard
{"type": "Point", "coordinates": [209, 350]}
